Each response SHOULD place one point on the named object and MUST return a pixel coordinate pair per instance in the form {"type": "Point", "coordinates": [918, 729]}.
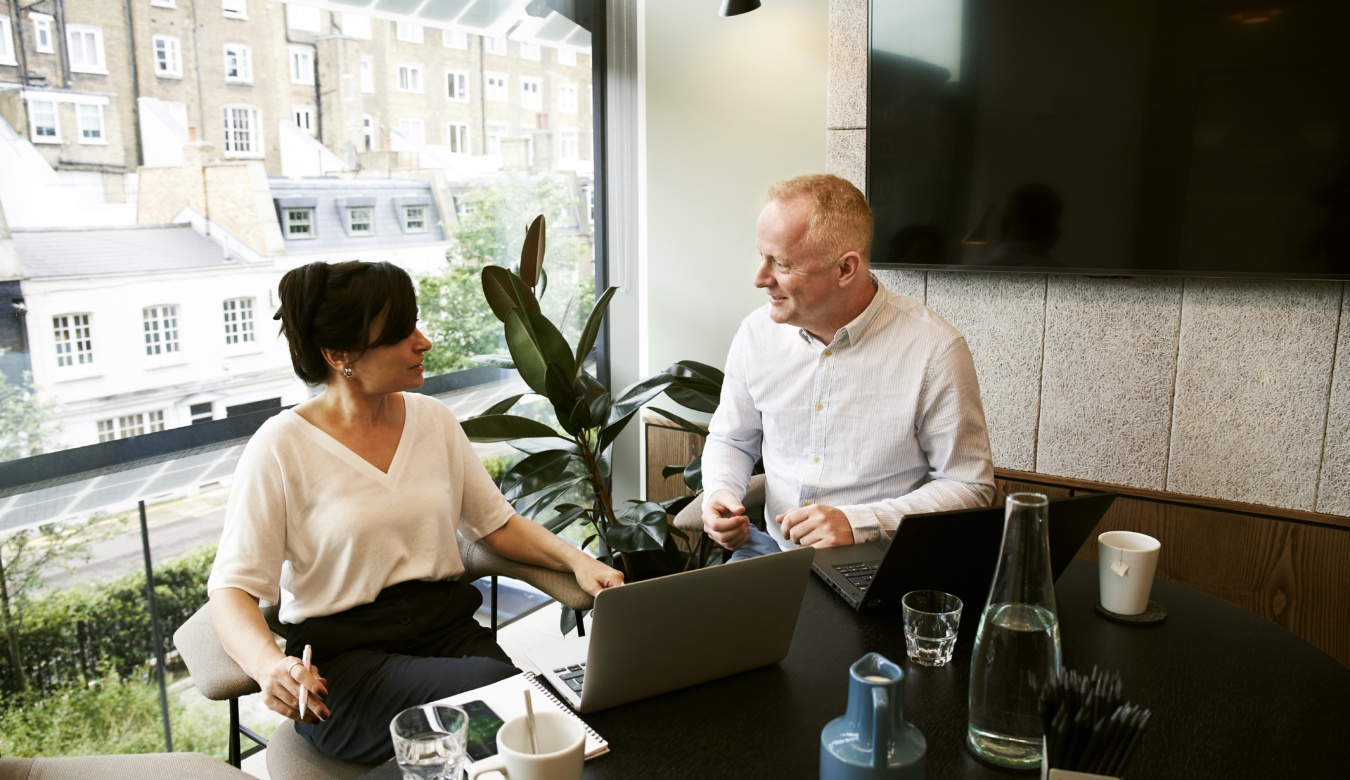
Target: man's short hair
{"type": "Point", "coordinates": [841, 220]}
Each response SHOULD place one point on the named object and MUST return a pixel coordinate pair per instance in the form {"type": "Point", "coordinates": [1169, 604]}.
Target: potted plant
{"type": "Point", "coordinates": [568, 459]}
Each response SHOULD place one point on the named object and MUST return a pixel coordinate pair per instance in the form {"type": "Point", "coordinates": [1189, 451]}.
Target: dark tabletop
{"type": "Point", "coordinates": [1233, 695]}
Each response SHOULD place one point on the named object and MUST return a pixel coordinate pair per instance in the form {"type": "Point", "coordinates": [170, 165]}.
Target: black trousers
{"type": "Point", "coordinates": [415, 643]}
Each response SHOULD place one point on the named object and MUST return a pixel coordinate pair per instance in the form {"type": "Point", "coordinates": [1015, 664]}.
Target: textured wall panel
{"type": "Point", "coordinates": [846, 101]}
{"type": "Point", "coordinates": [1106, 390]}
{"type": "Point", "coordinates": [1253, 378]}
{"type": "Point", "coordinates": [1333, 490]}
{"type": "Point", "coordinates": [846, 155]}
{"type": "Point", "coordinates": [1002, 317]}
{"type": "Point", "coordinates": [911, 283]}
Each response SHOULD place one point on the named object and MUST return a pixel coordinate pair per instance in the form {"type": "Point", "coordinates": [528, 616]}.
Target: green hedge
{"type": "Point", "coordinates": [92, 632]}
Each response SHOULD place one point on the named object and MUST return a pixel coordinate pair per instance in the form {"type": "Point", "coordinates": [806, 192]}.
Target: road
{"type": "Point", "coordinates": [175, 527]}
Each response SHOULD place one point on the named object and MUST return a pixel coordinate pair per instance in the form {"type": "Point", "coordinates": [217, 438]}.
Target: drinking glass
{"type": "Point", "coordinates": [931, 621]}
{"type": "Point", "coordinates": [429, 741]}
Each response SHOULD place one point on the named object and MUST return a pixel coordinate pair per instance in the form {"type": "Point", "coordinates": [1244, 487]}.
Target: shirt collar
{"type": "Point", "coordinates": [854, 330]}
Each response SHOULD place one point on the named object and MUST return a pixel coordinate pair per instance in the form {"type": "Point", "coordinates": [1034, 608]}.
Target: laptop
{"type": "Point", "coordinates": [954, 551]}
{"type": "Point", "coordinates": [660, 635]}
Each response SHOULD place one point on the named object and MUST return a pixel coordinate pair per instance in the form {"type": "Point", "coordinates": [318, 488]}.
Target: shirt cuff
{"type": "Point", "coordinates": [866, 526]}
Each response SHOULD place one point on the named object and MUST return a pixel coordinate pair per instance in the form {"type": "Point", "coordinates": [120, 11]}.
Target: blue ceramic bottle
{"type": "Point", "coordinates": [872, 741]}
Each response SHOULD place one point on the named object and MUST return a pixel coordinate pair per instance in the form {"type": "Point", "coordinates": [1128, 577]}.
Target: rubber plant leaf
{"type": "Point", "coordinates": [534, 343]}
{"type": "Point", "coordinates": [592, 329]}
{"type": "Point", "coordinates": [532, 253]}
{"type": "Point", "coordinates": [535, 472]}
{"type": "Point", "coordinates": [506, 292]}
{"type": "Point", "coordinates": [504, 427]}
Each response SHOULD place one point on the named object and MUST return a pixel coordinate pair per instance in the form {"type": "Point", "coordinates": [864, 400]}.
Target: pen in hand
{"type": "Point", "coordinates": [304, 692]}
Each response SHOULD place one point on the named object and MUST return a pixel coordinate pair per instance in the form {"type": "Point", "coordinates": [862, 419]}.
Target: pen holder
{"type": "Point", "coordinates": [1065, 774]}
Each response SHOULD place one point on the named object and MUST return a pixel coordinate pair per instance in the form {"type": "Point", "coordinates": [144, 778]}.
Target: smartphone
{"type": "Point", "coordinates": [483, 725]}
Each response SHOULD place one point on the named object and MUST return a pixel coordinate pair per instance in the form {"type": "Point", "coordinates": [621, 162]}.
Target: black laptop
{"type": "Point", "coordinates": [953, 551]}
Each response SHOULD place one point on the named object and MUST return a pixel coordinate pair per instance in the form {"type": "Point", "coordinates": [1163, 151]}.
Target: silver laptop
{"type": "Point", "coordinates": [668, 633]}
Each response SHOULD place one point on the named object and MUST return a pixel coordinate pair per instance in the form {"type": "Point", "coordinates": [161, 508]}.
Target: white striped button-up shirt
{"type": "Point", "coordinates": [882, 422]}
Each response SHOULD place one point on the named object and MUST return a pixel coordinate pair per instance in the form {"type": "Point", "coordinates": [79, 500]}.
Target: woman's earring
{"type": "Point", "coordinates": [347, 371]}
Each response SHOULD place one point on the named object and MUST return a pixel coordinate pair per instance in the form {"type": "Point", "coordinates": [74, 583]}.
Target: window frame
{"type": "Point", "coordinates": [243, 54]}
{"type": "Point", "coordinates": [457, 137]}
{"type": "Point", "coordinates": [298, 18]}
{"type": "Point", "coordinates": [408, 222]}
{"type": "Point", "coordinates": [95, 36]}
{"type": "Point", "coordinates": [406, 74]}
{"type": "Point", "coordinates": [365, 73]}
{"type": "Point", "coordinates": [352, 220]}
{"type": "Point", "coordinates": [457, 86]}
{"type": "Point", "coordinates": [500, 93]}
{"type": "Point", "coordinates": [532, 92]}
{"type": "Point", "coordinates": [301, 62]}
{"type": "Point", "coordinates": [568, 97]}
{"type": "Point", "coordinates": [409, 31]}
{"type": "Point", "coordinates": [565, 135]}
{"type": "Point", "coordinates": [234, 9]}
{"type": "Point", "coordinates": [34, 136]}
{"type": "Point", "coordinates": [529, 52]}
{"type": "Point", "coordinates": [173, 56]}
{"type": "Point", "coordinates": [161, 331]}
{"type": "Point", "coordinates": [303, 116]}
{"type": "Point", "coordinates": [491, 45]}
{"type": "Point", "coordinates": [238, 320]}
{"type": "Point", "coordinates": [101, 139]}
{"type": "Point", "coordinates": [6, 42]}
{"type": "Point", "coordinates": [364, 31]}
{"type": "Point", "coordinates": [452, 38]}
{"type": "Point", "coordinates": [44, 38]}
{"type": "Point", "coordinates": [78, 339]}
{"type": "Point", "coordinates": [256, 148]}
{"type": "Point", "coordinates": [413, 128]}
{"type": "Point", "coordinates": [291, 219]}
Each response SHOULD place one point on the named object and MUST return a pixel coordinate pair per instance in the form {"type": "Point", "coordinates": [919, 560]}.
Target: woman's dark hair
{"type": "Point", "coordinates": [332, 306]}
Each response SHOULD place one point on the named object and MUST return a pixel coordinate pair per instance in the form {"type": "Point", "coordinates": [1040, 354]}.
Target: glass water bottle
{"type": "Point", "coordinates": [1017, 646]}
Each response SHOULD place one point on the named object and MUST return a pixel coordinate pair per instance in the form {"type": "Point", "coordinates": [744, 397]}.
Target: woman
{"type": "Point", "coordinates": [351, 502]}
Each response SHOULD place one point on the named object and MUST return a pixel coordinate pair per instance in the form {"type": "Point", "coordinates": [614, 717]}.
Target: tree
{"type": "Point", "coordinates": [24, 556]}
{"type": "Point", "coordinates": [24, 416]}
{"type": "Point", "coordinates": [490, 232]}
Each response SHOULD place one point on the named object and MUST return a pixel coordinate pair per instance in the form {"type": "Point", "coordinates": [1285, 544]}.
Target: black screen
{"type": "Point", "coordinates": [1112, 137]}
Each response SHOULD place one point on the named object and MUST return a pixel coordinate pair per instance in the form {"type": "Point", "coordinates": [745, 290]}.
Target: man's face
{"type": "Point", "coordinates": [802, 290]}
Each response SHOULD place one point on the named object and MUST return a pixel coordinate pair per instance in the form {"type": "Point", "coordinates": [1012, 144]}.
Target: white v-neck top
{"type": "Point", "coordinates": [309, 515]}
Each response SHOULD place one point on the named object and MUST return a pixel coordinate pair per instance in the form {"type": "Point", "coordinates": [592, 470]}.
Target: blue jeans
{"type": "Point", "coordinates": [759, 543]}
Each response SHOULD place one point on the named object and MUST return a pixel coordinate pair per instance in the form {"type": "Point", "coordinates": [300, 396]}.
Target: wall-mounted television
{"type": "Point", "coordinates": [1111, 137]}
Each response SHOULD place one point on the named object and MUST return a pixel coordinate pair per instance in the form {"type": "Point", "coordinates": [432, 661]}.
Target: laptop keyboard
{"type": "Point", "coordinates": [859, 574]}
{"type": "Point", "coordinates": [572, 676]}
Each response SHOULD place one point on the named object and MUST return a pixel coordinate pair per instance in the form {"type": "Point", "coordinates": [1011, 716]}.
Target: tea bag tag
{"type": "Point", "coordinates": [1120, 566]}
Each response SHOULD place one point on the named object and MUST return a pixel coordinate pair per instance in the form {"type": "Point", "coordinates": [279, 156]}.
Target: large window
{"type": "Point", "coordinates": [161, 329]}
{"type": "Point", "coordinates": [86, 49]}
{"type": "Point", "coordinates": [74, 341]}
{"type": "Point", "coordinates": [186, 335]}
{"type": "Point", "coordinates": [243, 132]}
{"type": "Point", "coordinates": [409, 31]}
{"type": "Point", "coordinates": [529, 92]}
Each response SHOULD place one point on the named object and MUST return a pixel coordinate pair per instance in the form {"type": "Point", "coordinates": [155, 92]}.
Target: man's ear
{"type": "Point", "coordinates": [848, 268]}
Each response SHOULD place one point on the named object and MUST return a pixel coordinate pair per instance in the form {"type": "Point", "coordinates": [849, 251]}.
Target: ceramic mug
{"type": "Point", "coordinates": [561, 743]}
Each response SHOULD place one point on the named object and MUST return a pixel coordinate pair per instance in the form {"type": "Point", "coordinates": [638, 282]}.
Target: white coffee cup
{"type": "Point", "coordinates": [1126, 562]}
{"type": "Point", "coordinates": [561, 744]}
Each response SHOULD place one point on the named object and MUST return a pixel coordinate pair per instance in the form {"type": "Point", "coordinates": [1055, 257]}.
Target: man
{"type": "Point", "coordinates": [863, 403]}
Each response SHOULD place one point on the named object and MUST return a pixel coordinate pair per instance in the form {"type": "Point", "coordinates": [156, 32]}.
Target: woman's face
{"type": "Point", "coordinates": [391, 368]}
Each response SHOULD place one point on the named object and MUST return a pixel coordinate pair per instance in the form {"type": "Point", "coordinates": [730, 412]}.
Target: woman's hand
{"type": "Point", "coordinates": [281, 690]}
{"type": "Point", "coordinates": [594, 576]}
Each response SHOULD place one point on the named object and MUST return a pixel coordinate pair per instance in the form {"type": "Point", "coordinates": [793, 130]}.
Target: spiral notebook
{"type": "Point", "coordinates": [506, 700]}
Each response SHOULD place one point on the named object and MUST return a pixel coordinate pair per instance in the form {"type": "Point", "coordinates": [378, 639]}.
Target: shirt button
{"type": "Point", "coordinates": [806, 503]}
{"type": "Point", "coordinates": [819, 407]}
{"type": "Point", "coordinates": [827, 353]}
{"type": "Point", "coordinates": [816, 459]}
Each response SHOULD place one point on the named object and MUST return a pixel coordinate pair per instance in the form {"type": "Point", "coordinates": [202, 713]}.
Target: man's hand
{"type": "Point", "coordinates": [594, 576]}
{"type": "Point", "coordinates": [724, 520]}
{"type": "Point", "coordinates": [816, 525]}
